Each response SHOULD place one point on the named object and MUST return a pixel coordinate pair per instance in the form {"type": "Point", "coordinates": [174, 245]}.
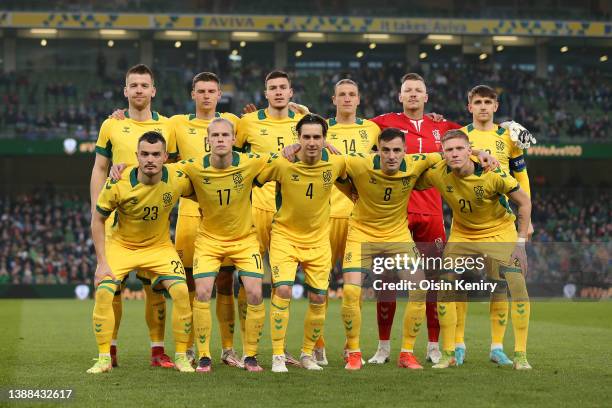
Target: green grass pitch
{"type": "Point", "coordinates": [48, 344]}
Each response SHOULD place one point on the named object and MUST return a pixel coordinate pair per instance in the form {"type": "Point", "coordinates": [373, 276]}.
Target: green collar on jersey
{"type": "Point", "coordinates": [134, 176]}
{"type": "Point", "coordinates": [477, 169]}
{"type": "Point", "coordinates": [500, 130]}
{"type": "Point", "coordinates": [261, 114]}
{"type": "Point", "coordinates": [324, 156]}
{"type": "Point", "coordinates": [376, 162]}
{"type": "Point", "coordinates": [154, 115]}
{"type": "Point", "coordinates": [192, 116]}
{"type": "Point", "coordinates": [333, 121]}
{"type": "Point", "coordinates": [235, 160]}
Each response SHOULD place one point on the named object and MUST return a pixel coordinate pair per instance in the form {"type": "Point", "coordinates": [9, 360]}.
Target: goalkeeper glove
{"type": "Point", "coordinates": [521, 137]}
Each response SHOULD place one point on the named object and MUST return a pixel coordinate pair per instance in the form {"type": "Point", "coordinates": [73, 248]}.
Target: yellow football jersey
{"type": "Point", "coordinates": [302, 198]}
{"type": "Point", "coordinates": [143, 211]}
{"type": "Point", "coordinates": [224, 195]}
{"type": "Point", "coordinates": [380, 211]}
{"type": "Point", "coordinates": [192, 143]}
{"type": "Point", "coordinates": [261, 134]}
{"type": "Point", "coordinates": [358, 137]}
{"type": "Point", "coordinates": [478, 201]}
{"type": "Point", "coordinates": [118, 139]}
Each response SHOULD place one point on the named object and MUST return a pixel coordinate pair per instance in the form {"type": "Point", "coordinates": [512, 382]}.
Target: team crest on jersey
{"type": "Point", "coordinates": [167, 197]}
{"type": "Point", "coordinates": [449, 189]}
{"type": "Point", "coordinates": [295, 177]}
{"type": "Point", "coordinates": [436, 134]}
{"type": "Point", "coordinates": [500, 145]}
{"type": "Point", "coordinates": [479, 190]}
{"type": "Point", "coordinates": [364, 134]}
{"type": "Point", "coordinates": [327, 179]}
{"type": "Point", "coordinates": [406, 181]}
{"type": "Point", "coordinates": [294, 131]}
{"type": "Point", "coordinates": [191, 131]}
{"type": "Point", "coordinates": [348, 257]}
{"type": "Point", "coordinates": [238, 180]}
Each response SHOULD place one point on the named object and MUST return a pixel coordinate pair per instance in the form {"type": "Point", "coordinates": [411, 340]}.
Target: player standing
{"type": "Point", "coordinates": [483, 223]}
{"type": "Point", "coordinates": [117, 143]}
{"type": "Point", "coordinates": [143, 199]}
{"type": "Point", "coordinates": [300, 235]}
{"type": "Point", "coordinates": [263, 132]}
{"type": "Point", "coordinates": [192, 142]}
{"type": "Point", "coordinates": [348, 134]}
{"type": "Point", "coordinates": [425, 218]}
{"type": "Point", "coordinates": [486, 135]}
{"type": "Point", "coordinates": [222, 181]}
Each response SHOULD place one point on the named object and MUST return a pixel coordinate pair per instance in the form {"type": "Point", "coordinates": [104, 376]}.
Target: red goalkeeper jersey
{"type": "Point", "coordinates": [422, 136]}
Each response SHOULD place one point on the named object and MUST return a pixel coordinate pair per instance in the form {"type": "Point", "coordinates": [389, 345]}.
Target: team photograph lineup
{"type": "Point", "coordinates": [285, 190]}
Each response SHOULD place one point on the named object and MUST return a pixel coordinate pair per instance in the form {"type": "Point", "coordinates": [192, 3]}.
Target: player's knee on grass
{"type": "Point", "coordinates": [317, 298]}
{"type": "Point", "coordinates": [204, 287]}
{"type": "Point", "coordinates": [283, 291]}
{"type": "Point", "coordinates": [225, 280]}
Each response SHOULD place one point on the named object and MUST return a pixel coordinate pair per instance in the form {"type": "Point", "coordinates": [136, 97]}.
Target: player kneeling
{"type": "Point", "coordinates": [143, 198]}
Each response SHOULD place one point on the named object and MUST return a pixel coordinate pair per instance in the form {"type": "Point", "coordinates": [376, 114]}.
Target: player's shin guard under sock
{"type": "Point", "coordinates": [498, 314]}
{"type": "Point", "coordinates": [155, 314]}
{"type": "Point", "coordinates": [447, 315]}
{"type": "Point", "coordinates": [433, 325]}
{"type": "Point", "coordinates": [118, 312]}
{"type": "Point", "coordinates": [103, 317]}
{"type": "Point", "coordinates": [242, 313]}
{"type": "Point", "coordinates": [313, 326]}
{"type": "Point", "coordinates": [351, 315]}
{"type": "Point", "coordinates": [225, 315]}
{"type": "Point", "coordinates": [321, 341]}
{"type": "Point", "coordinates": [385, 312]}
{"type": "Point", "coordinates": [279, 318]}
{"type": "Point", "coordinates": [414, 315]}
{"type": "Point", "coordinates": [202, 322]}
{"type": "Point", "coordinates": [521, 308]}
{"type": "Point", "coordinates": [255, 318]}
{"type": "Point", "coordinates": [462, 308]}
{"type": "Point", "coordinates": [182, 325]}
{"type": "Point", "coordinates": [191, 334]}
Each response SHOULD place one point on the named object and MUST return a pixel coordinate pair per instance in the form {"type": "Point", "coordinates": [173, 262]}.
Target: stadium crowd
{"type": "Point", "coordinates": [45, 237]}
{"type": "Point", "coordinates": [563, 108]}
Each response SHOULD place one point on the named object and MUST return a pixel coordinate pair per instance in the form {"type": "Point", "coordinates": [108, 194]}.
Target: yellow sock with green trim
{"type": "Point", "coordinates": [242, 313]}
{"type": "Point", "coordinates": [414, 315]}
{"type": "Point", "coordinates": [279, 318]}
{"type": "Point", "coordinates": [521, 309]}
{"type": "Point", "coordinates": [103, 316]}
{"type": "Point", "coordinates": [351, 315]}
{"type": "Point", "coordinates": [321, 341]}
{"type": "Point", "coordinates": [225, 316]}
{"type": "Point", "coordinates": [313, 326]}
{"type": "Point", "coordinates": [202, 322]}
{"type": "Point", "coordinates": [256, 316]}
{"type": "Point", "coordinates": [498, 314]}
{"type": "Point", "coordinates": [182, 326]}
{"type": "Point", "coordinates": [191, 333]}
{"type": "Point", "coordinates": [118, 313]}
{"type": "Point", "coordinates": [155, 314]}
{"type": "Point", "coordinates": [447, 316]}
{"type": "Point", "coordinates": [462, 308]}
